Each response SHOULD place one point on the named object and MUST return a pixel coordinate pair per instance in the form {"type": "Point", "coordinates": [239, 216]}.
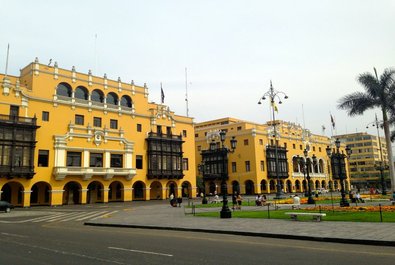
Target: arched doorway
{"type": "Point", "coordinates": [263, 186]}
{"type": "Point", "coordinates": [249, 187]}
{"type": "Point", "coordinates": [172, 188]}
{"type": "Point", "coordinates": [95, 192]}
{"type": "Point", "coordinates": [297, 186]}
{"type": "Point", "coordinates": [138, 190]}
{"type": "Point", "coordinates": [71, 193]}
{"type": "Point", "coordinates": [212, 188]}
{"type": "Point", "coordinates": [12, 192]}
{"type": "Point", "coordinates": [235, 187]}
{"type": "Point", "coordinates": [289, 186]}
{"type": "Point", "coordinates": [115, 193]}
{"type": "Point", "coordinates": [272, 186]}
{"type": "Point", "coordinates": [40, 194]}
{"type": "Point", "coordinates": [330, 185]}
{"type": "Point", "coordinates": [156, 190]}
{"type": "Point", "coordinates": [317, 184]}
{"type": "Point", "coordinates": [304, 183]}
{"type": "Point", "coordinates": [186, 189]}
{"type": "Point", "coordinates": [323, 184]}
{"type": "Point", "coordinates": [336, 185]}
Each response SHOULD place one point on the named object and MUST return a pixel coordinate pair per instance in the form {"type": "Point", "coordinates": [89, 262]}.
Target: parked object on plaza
{"type": "Point", "coordinates": [6, 206]}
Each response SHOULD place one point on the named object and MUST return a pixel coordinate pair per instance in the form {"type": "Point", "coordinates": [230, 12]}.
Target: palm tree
{"type": "Point", "coordinates": [379, 93]}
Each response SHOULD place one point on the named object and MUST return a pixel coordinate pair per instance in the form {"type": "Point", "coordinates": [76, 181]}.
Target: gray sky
{"type": "Point", "coordinates": [311, 50]}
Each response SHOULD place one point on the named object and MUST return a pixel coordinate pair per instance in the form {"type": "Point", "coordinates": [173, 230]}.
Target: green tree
{"type": "Point", "coordinates": [379, 93]}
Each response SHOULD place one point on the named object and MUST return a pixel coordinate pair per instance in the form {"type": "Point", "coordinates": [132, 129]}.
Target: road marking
{"type": "Point", "coordinates": [141, 251]}
{"type": "Point", "coordinates": [103, 215]}
{"type": "Point", "coordinates": [14, 235]}
{"type": "Point", "coordinates": [95, 214]}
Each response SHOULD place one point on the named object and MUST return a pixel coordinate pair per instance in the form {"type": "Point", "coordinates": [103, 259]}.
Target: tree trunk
{"type": "Point", "coordinates": [389, 152]}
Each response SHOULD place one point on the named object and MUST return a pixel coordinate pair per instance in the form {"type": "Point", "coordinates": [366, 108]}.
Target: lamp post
{"type": "Point", "coordinates": [339, 168]}
{"type": "Point", "coordinates": [274, 96]}
{"type": "Point", "coordinates": [306, 164]}
{"type": "Point", "coordinates": [223, 150]}
{"type": "Point", "coordinates": [381, 165]}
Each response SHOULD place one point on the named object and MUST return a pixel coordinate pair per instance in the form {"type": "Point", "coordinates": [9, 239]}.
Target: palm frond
{"type": "Point", "coordinates": [357, 103]}
{"type": "Point", "coordinates": [370, 84]}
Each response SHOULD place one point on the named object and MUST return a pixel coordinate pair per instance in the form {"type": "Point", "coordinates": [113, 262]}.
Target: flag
{"type": "Point", "coordinates": [333, 121]}
{"type": "Point", "coordinates": [162, 94]}
{"type": "Point", "coordinates": [274, 105]}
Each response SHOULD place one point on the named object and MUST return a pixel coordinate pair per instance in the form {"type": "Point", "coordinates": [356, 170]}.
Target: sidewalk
{"type": "Point", "coordinates": [163, 216]}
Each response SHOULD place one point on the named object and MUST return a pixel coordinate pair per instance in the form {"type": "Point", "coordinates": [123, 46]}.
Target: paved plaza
{"type": "Point", "coordinates": [160, 215]}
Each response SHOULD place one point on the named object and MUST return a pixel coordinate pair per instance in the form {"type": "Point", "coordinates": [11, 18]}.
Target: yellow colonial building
{"type": "Point", "coordinates": [73, 138]}
{"type": "Point", "coordinates": [251, 167]}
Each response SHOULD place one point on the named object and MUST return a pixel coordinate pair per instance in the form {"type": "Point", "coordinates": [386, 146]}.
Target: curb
{"type": "Point", "coordinates": [254, 234]}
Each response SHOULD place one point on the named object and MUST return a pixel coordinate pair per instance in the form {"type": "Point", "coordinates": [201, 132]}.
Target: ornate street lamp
{"type": "Point", "coordinates": [338, 165]}
{"type": "Point", "coordinates": [225, 211]}
{"type": "Point", "coordinates": [381, 166]}
{"type": "Point", "coordinates": [306, 164]}
{"type": "Point", "coordinates": [274, 96]}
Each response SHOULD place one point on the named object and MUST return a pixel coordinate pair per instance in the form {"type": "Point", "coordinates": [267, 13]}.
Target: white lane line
{"type": "Point", "coordinates": [74, 217]}
{"type": "Point", "coordinates": [45, 218]}
{"type": "Point", "coordinates": [93, 215]}
{"type": "Point", "coordinates": [14, 235]}
{"type": "Point", "coordinates": [68, 215]}
{"type": "Point", "coordinates": [143, 252]}
{"type": "Point", "coordinates": [104, 215]}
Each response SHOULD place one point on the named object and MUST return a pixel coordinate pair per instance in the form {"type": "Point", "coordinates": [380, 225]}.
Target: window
{"type": "Point", "coordinates": [114, 124]}
{"type": "Point", "coordinates": [139, 162]}
{"type": "Point", "coordinates": [45, 116]}
{"type": "Point", "coordinates": [234, 167]}
{"type": "Point", "coordinates": [185, 165]}
{"type": "Point", "coordinates": [262, 165]}
{"type": "Point", "coordinates": [300, 147]}
{"type": "Point", "coordinates": [293, 146]}
{"type": "Point", "coordinates": [159, 129]}
{"type": "Point", "coordinates": [168, 131]}
{"type": "Point", "coordinates": [139, 127]}
{"type": "Point", "coordinates": [247, 164]}
{"type": "Point", "coordinates": [43, 158]}
{"type": "Point", "coordinates": [73, 159]}
{"type": "Point", "coordinates": [239, 128]}
{"type": "Point", "coordinates": [96, 160]}
{"type": "Point", "coordinates": [79, 119]}
{"type": "Point", "coordinates": [285, 145]}
{"type": "Point", "coordinates": [260, 142]}
{"type": "Point", "coordinates": [96, 122]}
{"type": "Point", "coordinates": [196, 135]}
{"type": "Point", "coordinates": [245, 141]}
{"type": "Point", "coordinates": [116, 160]}
{"type": "Point", "coordinates": [184, 133]}
{"type": "Point", "coordinates": [313, 148]}
{"type": "Point", "coordinates": [199, 148]}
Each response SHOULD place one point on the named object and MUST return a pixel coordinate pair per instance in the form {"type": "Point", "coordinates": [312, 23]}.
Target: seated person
{"type": "Point", "coordinates": [263, 200]}
{"type": "Point", "coordinates": [296, 202]}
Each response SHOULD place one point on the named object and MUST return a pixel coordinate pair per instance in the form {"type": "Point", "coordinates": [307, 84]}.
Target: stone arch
{"type": "Point", "coordinates": [138, 190]}
{"type": "Point", "coordinates": [72, 193]}
{"type": "Point", "coordinates": [186, 190]}
{"type": "Point", "coordinates": [250, 190]}
{"type": "Point", "coordinates": [317, 184]}
{"type": "Point", "coordinates": [156, 190]}
{"type": "Point", "coordinates": [95, 192]}
{"type": "Point", "coordinates": [330, 185]}
{"type": "Point", "coordinates": [295, 164]}
{"type": "Point", "coordinates": [172, 189]}
{"type": "Point", "coordinates": [64, 89]}
{"type": "Point", "coordinates": [304, 184]}
{"type": "Point", "coordinates": [289, 186]}
{"type": "Point", "coordinates": [40, 194]}
{"type": "Point", "coordinates": [81, 93]}
{"type": "Point", "coordinates": [235, 187]}
{"type": "Point", "coordinates": [112, 98]}
{"type": "Point", "coordinates": [97, 96]}
{"type": "Point", "coordinates": [12, 192]}
{"type": "Point", "coordinates": [297, 186]}
{"type": "Point", "coordinates": [321, 166]}
{"type": "Point", "coordinates": [116, 192]}
{"type": "Point", "coordinates": [212, 188]}
{"type": "Point", "coordinates": [272, 185]}
{"type": "Point", "coordinates": [263, 185]}
{"type": "Point", "coordinates": [323, 184]}
{"type": "Point", "coordinates": [336, 185]}
{"type": "Point", "coordinates": [126, 101]}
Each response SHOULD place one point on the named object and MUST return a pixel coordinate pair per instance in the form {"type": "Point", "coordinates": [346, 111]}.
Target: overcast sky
{"type": "Point", "coordinates": [311, 50]}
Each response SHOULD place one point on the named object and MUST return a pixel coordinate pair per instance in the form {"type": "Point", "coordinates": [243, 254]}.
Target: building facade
{"type": "Point", "coordinates": [252, 167]}
{"type": "Point", "coordinates": [73, 138]}
{"type": "Point", "coordinates": [366, 158]}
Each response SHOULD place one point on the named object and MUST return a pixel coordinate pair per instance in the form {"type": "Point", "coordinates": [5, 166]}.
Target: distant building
{"type": "Point", "coordinates": [252, 168]}
{"type": "Point", "coordinates": [366, 158]}
{"type": "Point", "coordinates": [68, 137]}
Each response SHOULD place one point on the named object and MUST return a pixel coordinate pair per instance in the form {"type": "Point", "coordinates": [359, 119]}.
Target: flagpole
{"type": "Point", "coordinates": [6, 63]}
{"type": "Point", "coordinates": [186, 90]}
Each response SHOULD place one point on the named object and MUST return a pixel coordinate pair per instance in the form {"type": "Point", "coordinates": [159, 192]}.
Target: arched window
{"type": "Point", "coordinates": [126, 101]}
{"type": "Point", "coordinates": [295, 164]}
{"type": "Point", "coordinates": [81, 93]}
{"type": "Point", "coordinates": [112, 98]}
{"type": "Point", "coordinates": [321, 167]}
{"type": "Point", "coordinates": [97, 96]}
{"type": "Point", "coordinates": [63, 89]}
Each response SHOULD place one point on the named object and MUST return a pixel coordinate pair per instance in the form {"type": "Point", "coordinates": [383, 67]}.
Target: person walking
{"type": "Point", "coordinates": [239, 200]}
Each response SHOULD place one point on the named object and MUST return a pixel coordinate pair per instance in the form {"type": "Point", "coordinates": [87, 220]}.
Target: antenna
{"type": "Point", "coordinates": [186, 91]}
{"type": "Point", "coordinates": [95, 53]}
{"type": "Point", "coordinates": [6, 62]}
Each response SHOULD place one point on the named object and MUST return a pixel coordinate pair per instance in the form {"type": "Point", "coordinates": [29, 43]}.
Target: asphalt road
{"type": "Point", "coordinates": [70, 242]}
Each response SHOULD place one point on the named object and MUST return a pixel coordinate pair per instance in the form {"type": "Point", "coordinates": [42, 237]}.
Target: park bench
{"type": "Point", "coordinates": [289, 206]}
{"type": "Point", "coordinates": [316, 216]}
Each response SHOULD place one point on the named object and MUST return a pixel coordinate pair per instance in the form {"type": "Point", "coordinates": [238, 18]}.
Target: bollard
{"type": "Point", "coordinates": [381, 214]}
{"type": "Point", "coordinates": [268, 211]}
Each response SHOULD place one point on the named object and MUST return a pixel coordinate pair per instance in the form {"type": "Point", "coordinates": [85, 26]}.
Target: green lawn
{"type": "Point", "coordinates": [330, 216]}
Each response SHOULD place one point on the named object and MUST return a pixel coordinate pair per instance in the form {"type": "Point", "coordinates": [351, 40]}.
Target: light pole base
{"type": "Point", "coordinates": [310, 200]}
{"type": "Point", "coordinates": [226, 214]}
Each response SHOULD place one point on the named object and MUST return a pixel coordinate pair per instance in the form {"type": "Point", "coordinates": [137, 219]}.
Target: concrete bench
{"type": "Point", "coordinates": [393, 202]}
{"type": "Point", "coordinates": [290, 206]}
{"type": "Point", "coordinates": [316, 216]}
